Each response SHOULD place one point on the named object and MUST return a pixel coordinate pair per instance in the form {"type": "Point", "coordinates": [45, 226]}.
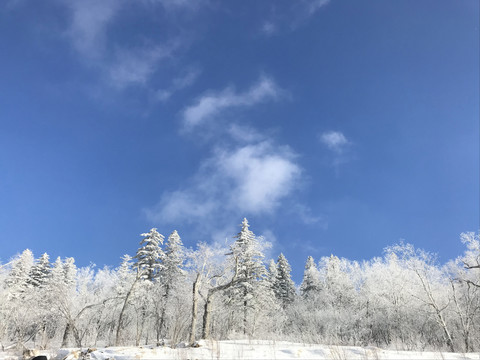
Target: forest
{"type": "Point", "coordinates": [166, 294]}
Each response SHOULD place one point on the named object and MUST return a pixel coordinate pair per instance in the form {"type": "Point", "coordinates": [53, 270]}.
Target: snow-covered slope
{"type": "Point", "coordinates": [245, 349]}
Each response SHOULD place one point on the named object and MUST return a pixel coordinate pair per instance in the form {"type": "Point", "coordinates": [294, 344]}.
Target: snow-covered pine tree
{"type": "Point", "coordinates": [70, 272]}
{"type": "Point", "coordinates": [40, 271]}
{"type": "Point", "coordinates": [18, 280]}
{"type": "Point", "coordinates": [272, 274]}
{"type": "Point", "coordinates": [149, 264]}
{"type": "Point", "coordinates": [124, 275]}
{"type": "Point", "coordinates": [21, 308]}
{"type": "Point", "coordinates": [172, 271]}
{"type": "Point", "coordinates": [252, 289]}
{"type": "Point", "coordinates": [248, 254]}
{"type": "Point", "coordinates": [61, 284]}
{"type": "Point", "coordinates": [57, 273]}
{"type": "Point", "coordinates": [171, 280]}
{"type": "Point", "coordinates": [311, 280]}
{"type": "Point", "coordinates": [150, 256]}
{"type": "Point", "coordinates": [285, 287]}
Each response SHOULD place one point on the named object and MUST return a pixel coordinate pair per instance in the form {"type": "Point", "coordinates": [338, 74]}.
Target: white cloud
{"type": "Point", "coordinates": [186, 204]}
{"type": "Point", "coordinates": [179, 83]}
{"type": "Point", "coordinates": [88, 26]}
{"type": "Point", "coordinates": [339, 145]}
{"type": "Point", "coordinates": [312, 6]}
{"type": "Point", "coordinates": [305, 214]}
{"type": "Point", "coordinates": [269, 28]}
{"type": "Point", "coordinates": [289, 15]}
{"type": "Point", "coordinates": [251, 179]}
{"type": "Point", "coordinates": [122, 65]}
{"type": "Point", "coordinates": [261, 175]}
{"type": "Point", "coordinates": [334, 140]}
{"type": "Point", "coordinates": [135, 66]}
{"type": "Point", "coordinates": [173, 5]}
{"type": "Point", "coordinates": [209, 106]}
{"type": "Point", "coordinates": [244, 133]}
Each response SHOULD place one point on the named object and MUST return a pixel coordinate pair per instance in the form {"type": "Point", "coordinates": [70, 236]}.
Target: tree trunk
{"type": "Point", "coordinates": [208, 302]}
{"type": "Point", "coordinates": [120, 318]}
{"type": "Point", "coordinates": [140, 325]}
{"type": "Point", "coordinates": [443, 324]}
{"type": "Point", "coordinates": [66, 334]}
{"type": "Point", "coordinates": [76, 336]}
{"type": "Point", "coordinates": [162, 317]}
{"type": "Point", "coordinates": [193, 326]}
{"type": "Point", "coordinates": [206, 315]}
{"type": "Point", "coordinates": [245, 317]}
{"type": "Point", "coordinates": [438, 311]}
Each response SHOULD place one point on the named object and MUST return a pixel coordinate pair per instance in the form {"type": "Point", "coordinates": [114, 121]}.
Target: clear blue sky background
{"type": "Point", "coordinates": [333, 126]}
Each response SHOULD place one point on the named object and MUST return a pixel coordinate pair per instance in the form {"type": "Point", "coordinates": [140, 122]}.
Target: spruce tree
{"type": "Point", "coordinates": [150, 256]}
{"type": "Point", "coordinates": [252, 289]}
{"type": "Point", "coordinates": [57, 272]}
{"type": "Point", "coordinates": [124, 275]}
{"type": "Point", "coordinates": [311, 279]}
{"type": "Point", "coordinates": [170, 278]}
{"type": "Point", "coordinates": [272, 275]}
{"type": "Point", "coordinates": [40, 272]}
{"type": "Point", "coordinates": [174, 258]}
{"type": "Point", "coordinates": [70, 272]}
{"type": "Point", "coordinates": [285, 287]}
{"type": "Point", "coordinates": [18, 280]}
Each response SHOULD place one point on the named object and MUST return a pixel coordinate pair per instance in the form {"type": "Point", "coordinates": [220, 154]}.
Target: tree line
{"type": "Point", "coordinates": [167, 294]}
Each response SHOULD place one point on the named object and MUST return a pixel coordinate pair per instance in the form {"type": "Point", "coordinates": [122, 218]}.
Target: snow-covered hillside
{"type": "Point", "coordinates": [244, 349]}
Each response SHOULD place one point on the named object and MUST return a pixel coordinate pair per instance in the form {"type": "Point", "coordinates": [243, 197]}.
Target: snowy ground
{"type": "Point", "coordinates": [245, 349]}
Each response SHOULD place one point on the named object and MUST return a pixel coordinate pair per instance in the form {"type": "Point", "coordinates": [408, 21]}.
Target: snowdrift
{"type": "Point", "coordinates": [243, 349]}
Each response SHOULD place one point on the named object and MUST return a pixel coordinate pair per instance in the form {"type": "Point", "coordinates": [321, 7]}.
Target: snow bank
{"type": "Point", "coordinates": [245, 349]}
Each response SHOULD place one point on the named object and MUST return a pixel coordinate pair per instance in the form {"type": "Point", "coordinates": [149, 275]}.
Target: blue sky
{"type": "Point", "coordinates": [333, 126]}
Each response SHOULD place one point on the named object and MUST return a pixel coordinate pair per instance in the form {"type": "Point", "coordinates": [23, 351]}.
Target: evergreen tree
{"type": "Point", "coordinates": [18, 279]}
{"type": "Point", "coordinates": [252, 290]}
{"type": "Point", "coordinates": [311, 279]}
{"type": "Point", "coordinates": [40, 272]}
{"type": "Point", "coordinates": [70, 272]}
{"type": "Point", "coordinates": [170, 279]}
{"type": "Point", "coordinates": [124, 275]}
{"type": "Point", "coordinates": [150, 256]}
{"type": "Point", "coordinates": [248, 254]}
{"type": "Point", "coordinates": [285, 288]}
{"type": "Point", "coordinates": [174, 258]}
{"type": "Point", "coordinates": [57, 272]}
{"type": "Point", "coordinates": [272, 274]}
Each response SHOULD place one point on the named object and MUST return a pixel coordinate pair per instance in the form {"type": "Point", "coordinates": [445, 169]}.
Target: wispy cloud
{"type": "Point", "coordinates": [212, 105]}
{"type": "Point", "coordinates": [305, 214]}
{"type": "Point", "coordinates": [179, 83]}
{"type": "Point", "coordinates": [312, 6]}
{"type": "Point", "coordinates": [136, 66]}
{"type": "Point", "coordinates": [269, 28]}
{"type": "Point", "coordinates": [251, 179]}
{"type": "Point", "coordinates": [334, 140]}
{"type": "Point", "coordinates": [245, 134]}
{"type": "Point", "coordinates": [88, 25]}
{"type": "Point", "coordinates": [289, 15]}
{"type": "Point", "coordinates": [122, 64]}
{"type": "Point", "coordinates": [176, 5]}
